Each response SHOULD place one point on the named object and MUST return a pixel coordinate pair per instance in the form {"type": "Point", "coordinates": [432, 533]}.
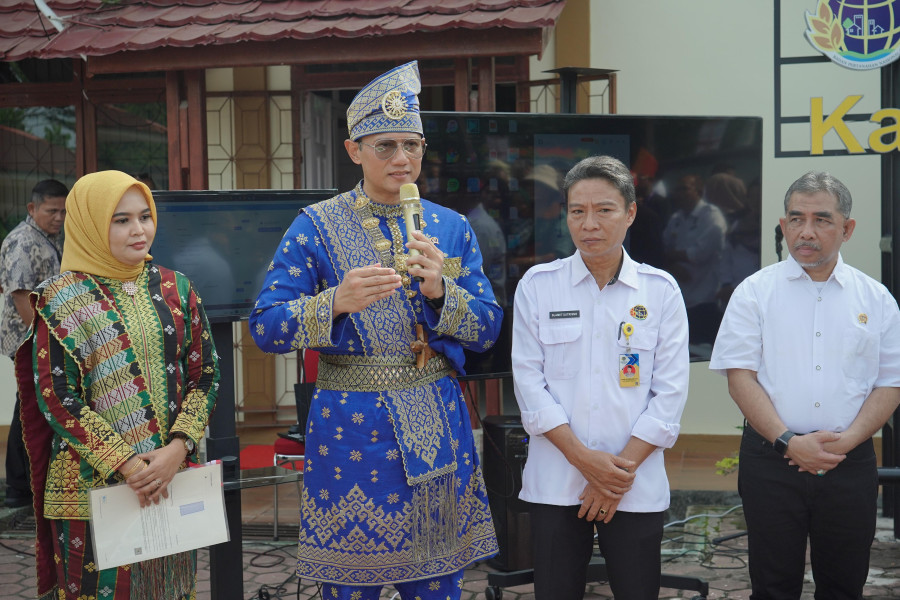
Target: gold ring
{"type": "Point", "coordinates": [602, 511]}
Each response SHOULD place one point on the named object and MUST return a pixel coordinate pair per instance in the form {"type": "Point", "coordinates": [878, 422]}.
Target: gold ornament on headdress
{"type": "Point", "coordinates": [393, 105]}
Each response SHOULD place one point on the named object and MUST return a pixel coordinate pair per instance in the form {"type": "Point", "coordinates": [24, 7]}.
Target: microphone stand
{"type": "Point", "coordinates": [779, 235]}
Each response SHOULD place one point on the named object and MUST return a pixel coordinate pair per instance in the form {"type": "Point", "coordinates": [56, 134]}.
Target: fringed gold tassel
{"type": "Point", "coordinates": [171, 577]}
{"type": "Point", "coordinates": [435, 527]}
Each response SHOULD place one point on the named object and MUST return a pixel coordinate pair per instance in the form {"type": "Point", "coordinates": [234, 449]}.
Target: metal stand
{"type": "Point", "coordinates": [890, 277]}
{"type": "Point", "coordinates": [568, 85]}
{"type": "Point", "coordinates": [226, 563]}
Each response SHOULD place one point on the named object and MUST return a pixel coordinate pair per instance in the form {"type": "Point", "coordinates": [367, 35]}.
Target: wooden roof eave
{"type": "Point", "coordinates": [458, 43]}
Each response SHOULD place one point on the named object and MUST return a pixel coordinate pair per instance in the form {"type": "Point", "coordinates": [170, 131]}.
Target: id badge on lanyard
{"type": "Point", "coordinates": [629, 362]}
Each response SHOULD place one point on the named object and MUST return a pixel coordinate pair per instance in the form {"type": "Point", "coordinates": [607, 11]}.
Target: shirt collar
{"type": "Point", "coordinates": [701, 205]}
{"type": "Point", "coordinates": [795, 271]}
{"type": "Point", "coordinates": [30, 222]}
{"type": "Point", "coordinates": [627, 274]}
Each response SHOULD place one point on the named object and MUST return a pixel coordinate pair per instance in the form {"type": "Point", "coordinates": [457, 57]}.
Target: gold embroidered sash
{"type": "Point", "coordinates": [354, 239]}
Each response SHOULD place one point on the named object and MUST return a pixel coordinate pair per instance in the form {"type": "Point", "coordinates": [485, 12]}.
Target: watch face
{"type": "Point", "coordinates": [781, 442]}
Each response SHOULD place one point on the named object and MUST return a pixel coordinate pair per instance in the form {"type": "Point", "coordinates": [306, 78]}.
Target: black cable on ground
{"type": "Point", "coordinates": [15, 551]}
{"type": "Point", "coordinates": [277, 560]}
{"type": "Point", "coordinates": [279, 591]}
{"type": "Point", "coordinates": [707, 557]}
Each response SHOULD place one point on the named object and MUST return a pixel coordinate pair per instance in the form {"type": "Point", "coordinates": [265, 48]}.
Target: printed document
{"type": "Point", "coordinates": [193, 516]}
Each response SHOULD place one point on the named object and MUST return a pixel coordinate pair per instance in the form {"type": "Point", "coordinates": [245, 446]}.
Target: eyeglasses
{"type": "Point", "coordinates": [385, 149]}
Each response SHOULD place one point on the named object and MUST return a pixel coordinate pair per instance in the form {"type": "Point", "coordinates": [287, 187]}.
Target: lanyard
{"type": "Point", "coordinates": [46, 239]}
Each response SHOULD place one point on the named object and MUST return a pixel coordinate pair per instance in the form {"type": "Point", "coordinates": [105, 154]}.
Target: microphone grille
{"type": "Point", "coordinates": [409, 191]}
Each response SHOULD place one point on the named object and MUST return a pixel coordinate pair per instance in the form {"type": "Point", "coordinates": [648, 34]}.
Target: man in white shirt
{"type": "Point", "coordinates": [811, 348]}
{"type": "Point", "coordinates": [694, 239]}
{"type": "Point", "coordinates": [600, 367]}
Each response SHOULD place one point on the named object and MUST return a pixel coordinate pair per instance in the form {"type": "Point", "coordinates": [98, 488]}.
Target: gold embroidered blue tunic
{"type": "Point", "coordinates": [393, 490]}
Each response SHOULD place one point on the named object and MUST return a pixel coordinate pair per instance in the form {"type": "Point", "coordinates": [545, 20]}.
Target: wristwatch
{"type": "Point", "coordinates": [437, 303]}
{"type": "Point", "coordinates": [188, 442]}
{"type": "Point", "coordinates": [781, 442]}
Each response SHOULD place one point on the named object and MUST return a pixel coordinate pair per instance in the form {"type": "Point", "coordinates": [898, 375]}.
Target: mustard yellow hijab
{"type": "Point", "coordinates": [89, 210]}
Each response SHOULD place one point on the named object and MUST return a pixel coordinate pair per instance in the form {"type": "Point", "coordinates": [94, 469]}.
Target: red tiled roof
{"type": "Point", "coordinates": [93, 28]}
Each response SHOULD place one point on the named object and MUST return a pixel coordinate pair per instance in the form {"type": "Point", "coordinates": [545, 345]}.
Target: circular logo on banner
{"type": "Point", "coordinates": [857, 34]}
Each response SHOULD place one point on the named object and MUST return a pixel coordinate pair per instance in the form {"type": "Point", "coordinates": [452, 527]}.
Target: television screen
{"type": "Point", "coordinates": [224, 241]}
{"type": "Point", "coordinates": [698, 194]}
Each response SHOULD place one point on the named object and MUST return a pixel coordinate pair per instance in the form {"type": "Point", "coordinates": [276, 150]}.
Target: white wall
{"type": "Point", "coordinates": [716, 57]}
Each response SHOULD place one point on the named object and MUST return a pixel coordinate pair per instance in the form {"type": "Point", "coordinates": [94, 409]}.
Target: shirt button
{"type": "Point", "coordinates": [818, 405]}
{"type": "Point", "coordinates": [818, 334]}
{"type": "Point", "coordinates": [818, 368]}
{"type": "Point", "coordinates": [819, 299]}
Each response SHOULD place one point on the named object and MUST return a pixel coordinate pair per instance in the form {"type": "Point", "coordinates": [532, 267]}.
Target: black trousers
{"type": "Point", "coordinates": [18, 479]}
{"type": "Point", "coordinates": [563, 544]}
{"type": "Point", "coordinates": [784, 507]}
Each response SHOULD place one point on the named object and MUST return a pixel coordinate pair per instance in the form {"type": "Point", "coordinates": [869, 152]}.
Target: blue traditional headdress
{"type": "Point", "coordinates": [388, 104]}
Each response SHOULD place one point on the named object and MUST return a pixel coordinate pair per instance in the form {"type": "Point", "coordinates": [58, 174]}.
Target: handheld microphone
{"type": "Point", "coordinates": [409, 203]}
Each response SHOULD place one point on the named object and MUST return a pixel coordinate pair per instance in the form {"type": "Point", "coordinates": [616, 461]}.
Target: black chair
{"type": "Point", "coordinates": [290, 448]}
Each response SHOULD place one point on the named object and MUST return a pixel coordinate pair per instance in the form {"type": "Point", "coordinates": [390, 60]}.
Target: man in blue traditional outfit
{"type": "Point", "coordinates": [393, 491]}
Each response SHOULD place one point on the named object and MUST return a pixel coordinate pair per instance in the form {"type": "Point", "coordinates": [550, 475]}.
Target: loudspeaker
{"type": "Point", "coordinates": [505, 452]}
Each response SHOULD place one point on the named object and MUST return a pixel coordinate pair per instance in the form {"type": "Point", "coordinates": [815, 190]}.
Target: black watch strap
{"type": "Point", "coordinates": [781, 442]}
{"type": "Point", "coordinates": [435, 303]}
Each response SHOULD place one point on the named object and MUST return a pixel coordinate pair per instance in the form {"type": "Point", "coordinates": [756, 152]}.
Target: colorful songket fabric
{"type": "Point", "coordinates": [393, 491]}
{"type": "Point", "coordinates": [102, 376]}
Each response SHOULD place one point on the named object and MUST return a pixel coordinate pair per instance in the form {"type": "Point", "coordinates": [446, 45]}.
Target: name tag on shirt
{"type": "Point", "coordinates": [629, 370]}
{"type": "Point", "coordinates": [565, 314]}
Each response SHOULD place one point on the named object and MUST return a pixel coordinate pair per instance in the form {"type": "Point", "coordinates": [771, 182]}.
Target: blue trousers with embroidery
{"type": "Point", "coordinates": [445, 587]}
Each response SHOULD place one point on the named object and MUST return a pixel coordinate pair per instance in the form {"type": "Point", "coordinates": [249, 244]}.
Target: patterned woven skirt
{"type": "Point", "coordinates": [168, 578]}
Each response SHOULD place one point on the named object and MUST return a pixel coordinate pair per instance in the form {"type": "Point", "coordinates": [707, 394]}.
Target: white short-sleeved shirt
{"type": "Point", "coordinates": [565, 359]}
{"type": "Point", "coordinates": [701, 235]}
{"type": "Point", "coordinates": [817, 354]}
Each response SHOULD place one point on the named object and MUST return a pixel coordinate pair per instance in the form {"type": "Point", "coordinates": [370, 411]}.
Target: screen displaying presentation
{"type": "Point", "coordinates": [504, 171]}
{"type": "Point", "coordinates": [224, 241]}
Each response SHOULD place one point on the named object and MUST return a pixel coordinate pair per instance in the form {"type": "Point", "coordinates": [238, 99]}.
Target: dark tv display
{"type": "Point", "coordinates": [698, 193]}
{"type": "Point", "coordinates": [224, 241]}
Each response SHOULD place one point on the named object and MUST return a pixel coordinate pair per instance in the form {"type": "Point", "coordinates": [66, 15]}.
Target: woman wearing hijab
{"type": "Point", "coordinates": [118, 379]}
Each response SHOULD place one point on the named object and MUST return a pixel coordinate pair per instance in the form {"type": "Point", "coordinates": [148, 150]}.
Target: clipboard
{"type": "Point", "coordinates": [193, 516]}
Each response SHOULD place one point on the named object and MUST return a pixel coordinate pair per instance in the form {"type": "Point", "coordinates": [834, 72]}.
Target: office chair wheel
{"type": "Point", "coordinates": [493, 593]}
